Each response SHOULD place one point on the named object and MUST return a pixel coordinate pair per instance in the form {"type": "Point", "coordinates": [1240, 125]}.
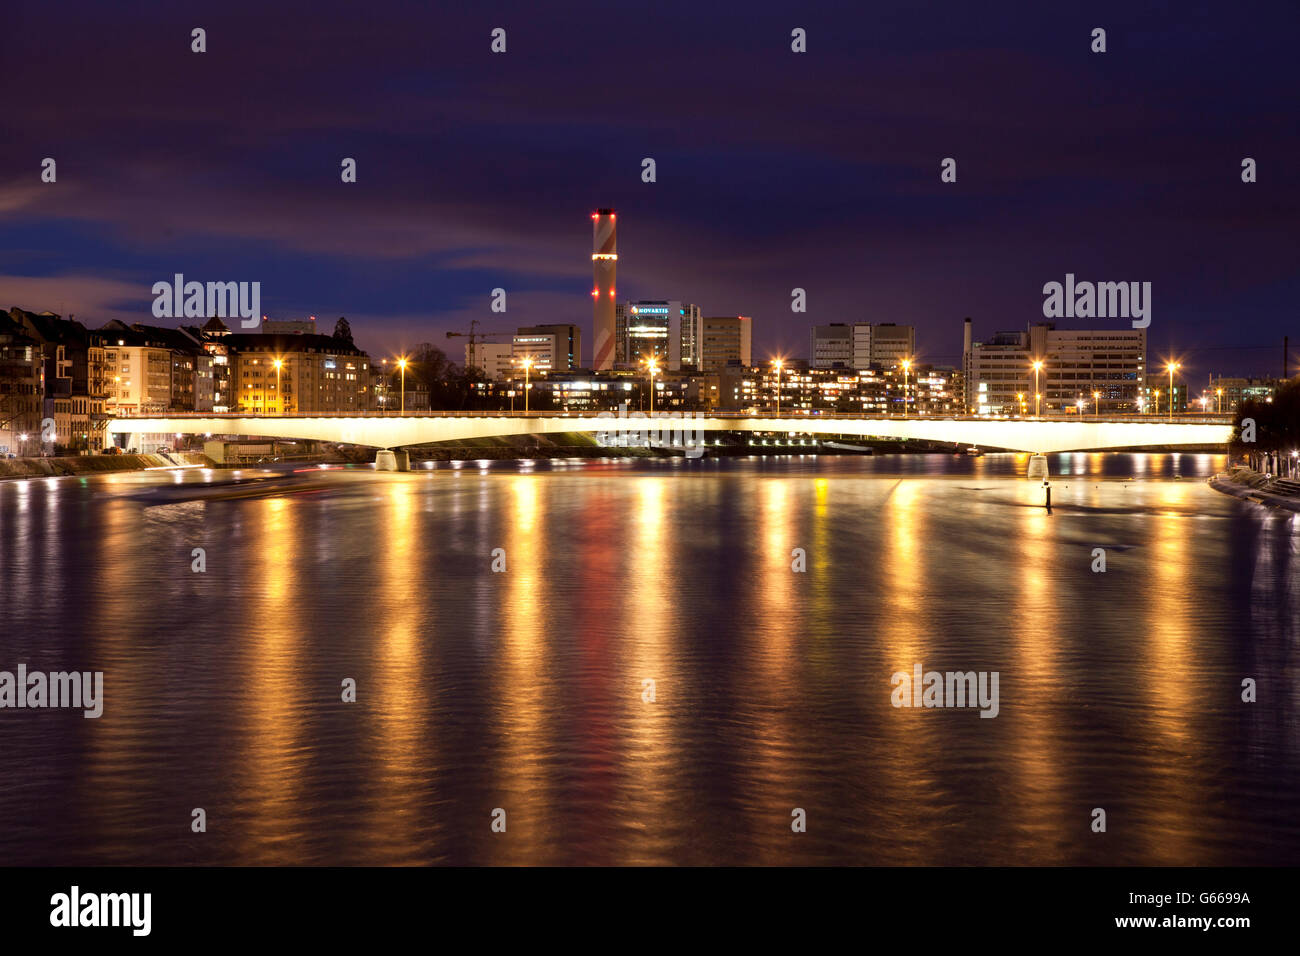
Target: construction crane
{"type": "Point", "coordinates": [475, 337]}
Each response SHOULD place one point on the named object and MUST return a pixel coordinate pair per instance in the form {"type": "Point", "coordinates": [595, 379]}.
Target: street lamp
{"type": "Point", "coordinates": [778, 364]}
{"type": "Point", "coordinates": [401, 364]}
{"type": "Point", "coordinates": [528, 365]}
{"type": "Point", "coordinates": [1156, 392]}
{"type": "Point", "coordinates": [1218, 401]}
{"type": "Point", "coordinates": [652, 366]}
{"type": "Point", "coordinates": [1038, 367]}
{"type": "Point", "coordinates": [279, 402]}
{"type": "Point", "coordinates": [1020, 400]}
{"type": "Point", "coordinates": [1173, 367]}
{"type": "Point", "coordinates": [907, 364]}
{"type": "Point", "coordinates": [1096, 403]}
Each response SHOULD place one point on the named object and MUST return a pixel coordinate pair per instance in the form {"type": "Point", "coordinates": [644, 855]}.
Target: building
{"type": "Point", "coordinates": [71, 381]}
{"type": "Point", "coordinates": [725, 340]}
{"type": "Point", "coordinates": [212, 337]}
{"type": "Point", "coordinates": [888, 343]}
{"type": "Point", "coordinates": [22, 386]}
{"type": "Point", "coordinates": [1226, 394]}
{"type": "Point", "coordinates": [831, 346]}
{"type": "Point", "coordinates": [298, 374]}
{"type": "Point", "coordinates": [604, 264]}
{"type": "Point", "coordinates": [1000, 378]}
{"type": "Point", "coordinates": [552, 348]}
{"type": "Point", "coordinates": [860, 345]}
{"type": "Point", "coordinates": [667, 330]}
{"type": "Point", "coordinates": [493, 359]}
{"type": "Point", "coordinates": [289, 326]}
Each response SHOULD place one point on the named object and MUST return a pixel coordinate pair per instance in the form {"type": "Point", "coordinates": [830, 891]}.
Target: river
{"type": "Point", "coordinates": [526, 689]}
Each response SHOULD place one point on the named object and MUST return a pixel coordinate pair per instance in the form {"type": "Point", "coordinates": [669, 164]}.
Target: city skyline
{"type": "Point", "coordinates": [488, 184]}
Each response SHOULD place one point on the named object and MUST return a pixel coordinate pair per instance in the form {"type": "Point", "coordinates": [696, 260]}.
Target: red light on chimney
{"type": "Point", "coordinates": [595, 292]}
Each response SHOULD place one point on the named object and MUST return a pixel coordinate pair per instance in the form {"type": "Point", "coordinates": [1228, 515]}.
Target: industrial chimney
{"type": "Point", "coordinates": [604, 262]}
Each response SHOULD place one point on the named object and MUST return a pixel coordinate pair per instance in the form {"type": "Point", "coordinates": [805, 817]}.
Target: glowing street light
{"type": "Point", "coordinates": [1038, 367]}
{"type": "Point", "coordinates": [1172, 367]}
{"type": "Point", "coordinates": [1156, 410]}
{"type": "Point", "coordinates": [1096, 402]}
{"type": "Point", "coordinates": [1218, 401]}
{"type": "Point", "coordinates": [907, 364]}
{"type": "Point", "coordinates": [401, 364]}
{"type": "Point", "coordinates": [528, 364]}
{"type": "Point", "coordinates": [778, 364]}
{"type": "Point", "coordinates": [652, 367]}
{"type": "Point", "coordinates": [279, 402]}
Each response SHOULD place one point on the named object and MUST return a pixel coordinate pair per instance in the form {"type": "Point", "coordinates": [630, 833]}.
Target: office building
{"type": "Point", "coordinates": [999, 373]}
{"type": "Point", "coordinates": [725, 340]}
{"type": "Point", "coordinates": [551, 347]}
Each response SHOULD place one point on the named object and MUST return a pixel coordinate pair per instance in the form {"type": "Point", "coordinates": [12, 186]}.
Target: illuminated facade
{"type": "Point", "coordinates": [999, 373]}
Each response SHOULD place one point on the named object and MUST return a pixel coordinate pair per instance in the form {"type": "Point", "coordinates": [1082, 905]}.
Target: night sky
{"type": "Point", "coordinates": [775, 169]}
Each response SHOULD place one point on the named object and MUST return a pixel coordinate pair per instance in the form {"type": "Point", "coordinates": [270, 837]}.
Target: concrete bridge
{"type": "Point", "coordinates": [1041, 435]}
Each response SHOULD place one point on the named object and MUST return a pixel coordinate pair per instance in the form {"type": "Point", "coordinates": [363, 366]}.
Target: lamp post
{"type": "Point", "coordinates": [1020, 400]}
{"type": "Point", "coordinates": [778, 364]}
{"type": "Point", "coordinates": [1218, 401]}
{"type": "Point", "coordinates": [1038, 367]}
{"type": "Point", "coordinates": [652, 367]}
{"type": "Point", "coordinates": [401, 365]}
{"type": "Point", "coordinates": [1096, 404]}
{"type": "Point", "coordinates": [1156, 392]}
{"type": "Point", "coordinates": [528, 365]}
{"type": "Point", "coordinates": [907, 365]}
{"type": "Point", "coordinates": [1173, 367]}
{"type": "Point", "coordinates": [279, 402]}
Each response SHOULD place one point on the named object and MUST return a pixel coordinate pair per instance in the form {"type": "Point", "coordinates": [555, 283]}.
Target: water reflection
{"type": "Point", "coordinates": [523, 689]}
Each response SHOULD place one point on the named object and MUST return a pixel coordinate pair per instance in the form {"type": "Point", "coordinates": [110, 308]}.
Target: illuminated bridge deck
{"type": "Point", "coordinates": [1044, 435]}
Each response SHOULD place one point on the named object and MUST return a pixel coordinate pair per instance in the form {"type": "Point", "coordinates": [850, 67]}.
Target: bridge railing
{"type": "Point", "coordinates": [1186, 418]}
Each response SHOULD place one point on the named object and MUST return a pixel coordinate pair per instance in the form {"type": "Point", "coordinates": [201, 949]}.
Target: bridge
{"type": "Point", "coordinates": [1042, 435]}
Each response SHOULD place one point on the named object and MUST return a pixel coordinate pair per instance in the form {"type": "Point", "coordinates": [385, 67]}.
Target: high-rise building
{"type": "Point", "coordinates": [666, 329]}
{"type": "Point", "coordinates": [999, 373]}
{"type": "Point", "coordinates": [553, 348]}
{"type": "Point", "coordinates": [861, 345]}
{"type": "Point", "coordinates": [725, 340]}
{"type": "Point", "coordinates": [831, 346]}
{"type": "Point", "coordinates": [492, 358]}
{"type": "Point", "coordinates": [891, 343]}
{"type": "Point", "coordinates": [604, 264]}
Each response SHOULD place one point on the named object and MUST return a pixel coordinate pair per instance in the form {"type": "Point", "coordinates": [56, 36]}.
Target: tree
{"type": "Point", "coordinates": [343, 331]}
{"type": "Point", "coordinates": [1277, 423]}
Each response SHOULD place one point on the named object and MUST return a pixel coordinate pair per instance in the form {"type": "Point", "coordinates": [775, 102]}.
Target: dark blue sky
{"type": "Point", "coordinates": [775, 170]}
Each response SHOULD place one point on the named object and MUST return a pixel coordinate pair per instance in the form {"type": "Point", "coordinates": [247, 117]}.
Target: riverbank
{"type": "Point", "coordinates": [1250, 485]}
{"type": "Point", "coordinates": [94, 464]}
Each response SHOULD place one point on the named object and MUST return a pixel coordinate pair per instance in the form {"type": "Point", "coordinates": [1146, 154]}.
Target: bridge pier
{"type": "Point", "coordinates": [392, 459]}
{"type": "Point", "coordinates": [1038, 467]}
